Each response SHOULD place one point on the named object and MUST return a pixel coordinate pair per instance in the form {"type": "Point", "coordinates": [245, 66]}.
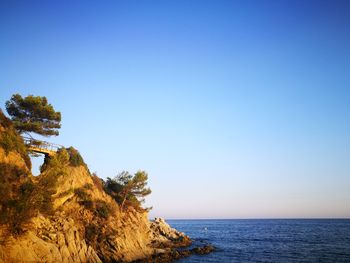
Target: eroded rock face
{"type": "Point", "coordinates": [56, 240]}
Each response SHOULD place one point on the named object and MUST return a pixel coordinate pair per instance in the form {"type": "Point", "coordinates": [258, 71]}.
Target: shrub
{"type": "Point", "coordinates": [62, 155]}
{"type": "Point", "coordinates": [27, 188]}
{"type": "Point", "coordinates": [84, 198]}
{"type": "Point", "coordinates": [10, 194]}
{"type": "Point", "coordinates": [91, 232]}
{"type": "Point", "coordinates": [11, 172]}
{"type": "Point", "coordinates": [102, 209]}
{"type": "Point", "coordinates": [51, 170]}
{"type": "Point", "coordinates": [45, 204]}
{"type": "Point", "coordinates": [17, 215]}
{"type": "Point", "coordinates": [55, 166]}
{"type": "Point", "coordinates": [88, 186]}
{"type": "Point", "coordinates": [10, 141]}
{"type": "Point", "coordinates": [82, 194]}
{"type": "Point", "coordinates": [17, 209]}
{"type": "Point", "coordinates": [75, 158]}
{"type": "Point", "coordinates": [88, 204]}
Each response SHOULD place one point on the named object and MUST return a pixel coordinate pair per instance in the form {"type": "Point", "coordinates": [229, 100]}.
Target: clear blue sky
{"type": "Point", "coordinates": [236, 109]}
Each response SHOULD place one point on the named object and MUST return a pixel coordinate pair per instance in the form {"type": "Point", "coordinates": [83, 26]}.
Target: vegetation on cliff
{"type": "Point", "coordinates": [21, 197]}
{"type": "Point", "coordinates": [68, 215]}
{"type": "Point", "coordinates": [33, 114]}
{"type": "Point", "coordinates": [10, 140]}
{"type": "Point", "coordinates": [127, 189]}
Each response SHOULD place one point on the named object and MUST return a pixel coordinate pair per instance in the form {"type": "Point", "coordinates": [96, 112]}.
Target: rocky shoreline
{"type": "Point", "coordinates": [176, 244]}
{"type": "Point", "coordinates": [176, 254]}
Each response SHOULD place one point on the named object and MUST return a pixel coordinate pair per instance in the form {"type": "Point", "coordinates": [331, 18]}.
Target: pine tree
{"type": "Point", "coordinates": [33, 114]}
{"type": "Point", "coordinates": [125, 187]}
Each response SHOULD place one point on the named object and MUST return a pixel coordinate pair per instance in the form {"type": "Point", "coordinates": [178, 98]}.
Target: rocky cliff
{"type": "Point", "coordinates": [64, 214]}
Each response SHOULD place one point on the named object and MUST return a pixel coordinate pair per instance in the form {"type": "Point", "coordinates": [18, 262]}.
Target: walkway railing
{"type": "Point", "coordinates": [41, 146]}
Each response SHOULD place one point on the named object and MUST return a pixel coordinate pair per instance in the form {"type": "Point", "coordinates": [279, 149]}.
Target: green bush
{"type": "Point", "coordinates": [91, 233]}
{"type": "Point", "coordinates": [51, 170]}
{"type": "Point", "coordinates": [84, 198]}
{"type": "Point", "coordinates": [11, 172]}
{"type": "Point", "coordinates": [11, 141]}
{"type": "Point", "coordinates": [17, 215]}
{"type": "Point", "coordinates": [75, 158]}
{"type": "Point", "coordinates": [62, 155]}
{"type": "Point", "coordinates": [82, 194]}
{"type": "Point", "coordinates": [16, 191]}
{"type": "Point", "coordinates": [45, 204]}
{"type": "Point", "coordinates": [88, 186]}
{"type": "Point", "coordinates": [54, 166]}
{"type": "Point", "coordinates": [88, 204]}
{"type": "Point", "coordinates": [18, 206]}
{"type": "Point", "coordinates": [102, 209]}
{"type": "Point", "coordinates": [27, 188]}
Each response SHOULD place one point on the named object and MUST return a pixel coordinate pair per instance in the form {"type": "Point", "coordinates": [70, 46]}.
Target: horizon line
{"type": "Point", "coordinates": [264, 218]}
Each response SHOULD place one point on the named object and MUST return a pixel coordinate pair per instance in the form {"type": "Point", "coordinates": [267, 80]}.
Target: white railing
{"type": "Point", "coordinates": [33, 143]}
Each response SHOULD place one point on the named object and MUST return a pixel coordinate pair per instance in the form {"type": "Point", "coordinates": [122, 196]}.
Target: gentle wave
{"type": "Point", "coordinates": [270, 240]}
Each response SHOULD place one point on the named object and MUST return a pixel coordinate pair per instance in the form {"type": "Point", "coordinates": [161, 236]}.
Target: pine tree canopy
{"type": "Point", "coordinates": [33, 114]}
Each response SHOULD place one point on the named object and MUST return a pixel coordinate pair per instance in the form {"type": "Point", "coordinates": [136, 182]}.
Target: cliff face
{"type": "Point", "coordinates": [64, 215]}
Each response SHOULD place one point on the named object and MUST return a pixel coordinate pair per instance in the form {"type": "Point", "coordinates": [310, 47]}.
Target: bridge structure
{"type": "Point", "coordinates": [47, 148]}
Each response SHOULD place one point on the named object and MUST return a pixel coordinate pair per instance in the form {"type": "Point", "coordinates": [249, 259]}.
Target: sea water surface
{"type": "Point", "coordinates": [270, 240]}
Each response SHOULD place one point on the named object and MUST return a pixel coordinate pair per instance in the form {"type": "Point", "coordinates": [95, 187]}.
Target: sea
{"type": "Point", "coordinates": [269, 240]}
